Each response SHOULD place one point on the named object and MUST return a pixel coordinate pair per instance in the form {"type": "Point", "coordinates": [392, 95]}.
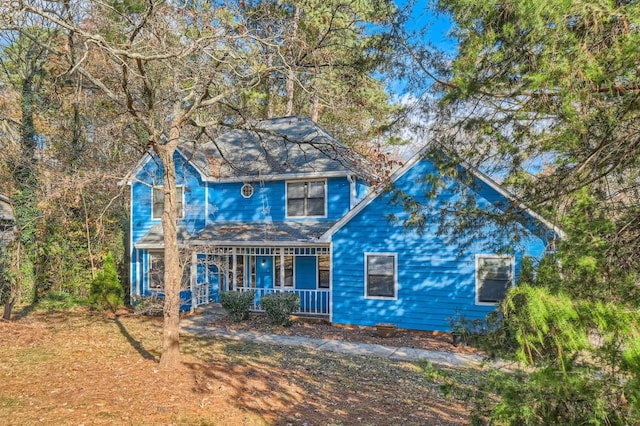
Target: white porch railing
{"type": "Point", "coordinates": [312, 302]}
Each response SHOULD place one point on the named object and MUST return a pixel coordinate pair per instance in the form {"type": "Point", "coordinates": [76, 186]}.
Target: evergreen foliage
{"type": "Point", "coordinates": [279, 307]}
{"type": "Point", "coordinates": [237, 303]}
{"type": "Point", "coordinates": [583, 358]}
{"type": "Point", "coordinates": [106, 291]}
{"type": "Point", "coordinates": [551, 87]}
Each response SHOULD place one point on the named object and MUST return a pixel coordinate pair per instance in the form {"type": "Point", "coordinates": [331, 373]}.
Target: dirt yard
{"type": "Point", "coordinates": [83, 368]}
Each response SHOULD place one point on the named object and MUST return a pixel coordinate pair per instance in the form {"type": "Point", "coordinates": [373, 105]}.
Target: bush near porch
{"type": "Point", "coordinates": [280, 306]}
{"type": "Point", "coordinates": [237, 303]}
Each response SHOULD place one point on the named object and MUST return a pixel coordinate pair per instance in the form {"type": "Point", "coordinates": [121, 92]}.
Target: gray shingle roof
{"type": "Point", "coordinates": [264, 232]}
{"type": "Point", "coordinates": [278, 146]}
{"type": "Point", "coordinates": [260, 233]}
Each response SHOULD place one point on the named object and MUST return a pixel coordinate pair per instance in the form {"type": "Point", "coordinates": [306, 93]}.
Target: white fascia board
{"type": "Point", "coordinates": [509, 196]}
{"type": "Point", "coordinates": [136, 169]}
{"type": "Point", "coordinates": [372, 195]}
{"type": "Point", "coordinates": [302, 243]}
{"type": "Point", "coordinates": [282, 177]}
{"type": "Point", "coordinates": [192, 243]}
{"type": "Point", "coordinates": [145, 159]}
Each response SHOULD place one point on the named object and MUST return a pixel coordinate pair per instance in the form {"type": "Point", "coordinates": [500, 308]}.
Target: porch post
{"type": "Point", "coordinates": [282, 268]}
{"type": "Point", "coordinates": [193, 280]}
{"type": "Point", "coordinates": [234, 282]}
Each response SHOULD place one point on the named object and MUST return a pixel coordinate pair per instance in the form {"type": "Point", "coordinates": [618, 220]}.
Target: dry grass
{"type": "Point", "coordinates": [82, 368]}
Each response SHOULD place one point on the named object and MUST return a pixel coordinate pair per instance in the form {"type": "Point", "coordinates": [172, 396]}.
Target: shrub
{"type": "Point", "coordinates": [237, 303]}
{"type": "Point", "coordinates": [106, 291]}
{"type": "Point", "coordinates": [280, 306]}
{"type": "Point", "coordinates": [60, 300]}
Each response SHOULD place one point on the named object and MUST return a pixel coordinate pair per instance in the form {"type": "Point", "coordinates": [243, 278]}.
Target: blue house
{"type": "Point", "coordinates": [284, 207]}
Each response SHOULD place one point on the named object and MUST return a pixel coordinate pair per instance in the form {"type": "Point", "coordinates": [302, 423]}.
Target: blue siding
{"type": "Point", "coordinates": [362, 188]}
{"type": "Point", "coordinates": [435, 281]}
{"type": "Point", "coordinates": [268, 203]}
{"type": "Point", "coordinates": [141, 210]}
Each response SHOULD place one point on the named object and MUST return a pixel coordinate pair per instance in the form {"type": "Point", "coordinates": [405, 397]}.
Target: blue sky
{"type": "Point", "coordinates": [437, 26]}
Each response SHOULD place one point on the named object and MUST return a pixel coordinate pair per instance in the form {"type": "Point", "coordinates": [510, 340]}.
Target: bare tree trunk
{"type": "Point", "coordinates": [315, 100]}
{"type": "Point", "coordinates": [271, 89]}
{"type": "Point", "coordinates": [88, 231]}
{"type": "Point", "coordinates": [170, 358]}
{"type": "Point", "coordinates": [8, 308]}
{"type": "Point", "coordinates": [291, 74]}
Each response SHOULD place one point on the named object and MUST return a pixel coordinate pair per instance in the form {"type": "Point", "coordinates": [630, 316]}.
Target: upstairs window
{"type": "Point", "coordinates": [158, 201]}
{"type": "Point", "coordinates": [305, 199]}
{"type": "Point", "coordinates": [494, 276]}
{"type": "Point", "coordinates": [381, 275]}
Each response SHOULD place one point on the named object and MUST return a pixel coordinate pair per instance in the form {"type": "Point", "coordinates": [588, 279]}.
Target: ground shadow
{"type": "Point", "coordinates": [133, 342]}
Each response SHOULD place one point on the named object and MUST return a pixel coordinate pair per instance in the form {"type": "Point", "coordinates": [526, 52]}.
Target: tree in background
{"type": "Point", "coordinates": [326, 55]}
{"type": "Point", "coordinates": [63, 223]}
{"type": "Point", "coordinates": [554, 86]}
{"type": "Point", "coordinates": [179, 73]}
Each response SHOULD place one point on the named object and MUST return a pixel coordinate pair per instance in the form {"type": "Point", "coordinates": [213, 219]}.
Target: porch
{"type": "Point", "coordinates": [303, 270]}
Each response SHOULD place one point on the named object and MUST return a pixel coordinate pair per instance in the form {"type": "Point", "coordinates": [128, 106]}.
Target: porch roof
{"type": "Point", "coordinates": [241, 234]}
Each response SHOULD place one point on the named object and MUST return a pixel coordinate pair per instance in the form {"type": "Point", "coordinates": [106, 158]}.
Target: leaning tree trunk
{"type": "Point", "coordinates": [170, 357]}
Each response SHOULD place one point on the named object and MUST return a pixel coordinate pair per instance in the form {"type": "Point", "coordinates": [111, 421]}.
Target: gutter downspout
{"type": "Point", "coordinates": [352, 191]}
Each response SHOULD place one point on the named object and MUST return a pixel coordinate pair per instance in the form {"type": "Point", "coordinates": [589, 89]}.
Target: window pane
{"type": "Point", "coordinates": [380, 265]}
{"type": "Point", "coordinates": [323, 271]}
{"type": "Point", "coordinates": [179, 197]}
{"type": "Point", "coordinates": [240, 270]}
{"type": "Point", "coordinates": [315, 207]}
{"type": "Point", "coordinates": [494, 278]}
{"type": "Point", "coordinates": [295, 190]}
{"type": "Point", "coordinates": [156, 272]}
{"type": "Point", "coordinates": [295, 207]}
{"type": "Point", "coordinates": [498, 268]}
{"type": "Point", "coordinates": [158, 202]}
{"type": "Point", "coordinates": [380, 285]}
{"type": "Point", "coordinates": [315, 190]}
{"type": "Point", "coordinates": [276, 267]}
{"type": "Point", "coordinates": [288, 271]}
{"type": "Point", "coordinates": [493, 290]}
{"type": "Point", "coordinates": [381, 275]}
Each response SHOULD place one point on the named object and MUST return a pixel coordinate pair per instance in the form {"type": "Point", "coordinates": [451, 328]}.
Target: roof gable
{"type": "Point", "coordinates": [485, 181]}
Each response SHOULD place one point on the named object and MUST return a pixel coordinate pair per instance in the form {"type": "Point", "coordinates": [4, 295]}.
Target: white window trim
{"type": "Point", "coordinates": [318, 273]}
{"type": "Point", "coordinates": [395, 275]}
{"type": "Point", "coordinates": [477, 274]}
{"type": "Point", "coordinates": [286, 198]}
{"type": "Point", "coordinates": [181, 214]}
{"type": "Point", "coordinates": [150, 255]}
{"type": "Point", "coordinates": [281, 257]}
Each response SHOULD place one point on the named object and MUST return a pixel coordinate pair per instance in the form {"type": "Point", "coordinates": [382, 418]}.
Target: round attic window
{"type": "Point", "coordinates": [246, 190]}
